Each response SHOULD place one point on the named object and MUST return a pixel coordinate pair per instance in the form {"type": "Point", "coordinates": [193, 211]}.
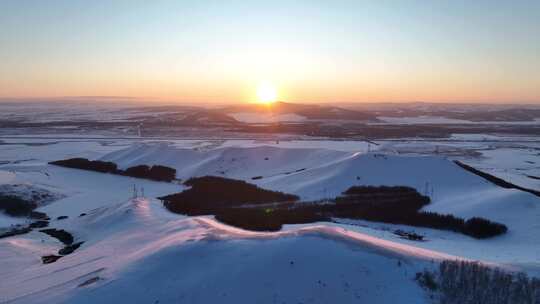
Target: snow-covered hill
{"type": "Point", "coordinates": [294, 112]}
{"type": "Point", "coordinates": [315, 173]}
{"type": "Point", "coordinates": [136, 251]}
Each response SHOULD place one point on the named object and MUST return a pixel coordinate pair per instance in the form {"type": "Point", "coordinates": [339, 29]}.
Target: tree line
{"type": "Point", "coordinates": [248, 206]}
{"type": "Point", "coordinates": [155, 172]}
{"type": "Point", "coordinates": [462, 282]}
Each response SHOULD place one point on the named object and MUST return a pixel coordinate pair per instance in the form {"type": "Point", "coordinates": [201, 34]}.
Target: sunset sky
{"type": "Point", "coordinates": [311, 51]}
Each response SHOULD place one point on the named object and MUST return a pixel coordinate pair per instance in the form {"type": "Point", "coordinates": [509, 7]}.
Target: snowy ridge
{"type": "Point", "coordinates": [333, 232]}
{"type": "Point", "coordinates": [144, 231]}
{"type": "Point", "coordinates": [235, 162]}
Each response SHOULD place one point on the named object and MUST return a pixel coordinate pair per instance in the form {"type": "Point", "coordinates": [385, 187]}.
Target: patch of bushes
{"type": "Point", "coordinates": [238, 203]}
{"type": "Point", "coordinates": [255, 219]}
{"type": "Point", "coordinates": [66, 238]}
{"type": "Point", "coordinates": [382, 204]}
{"type": "Point", "coordinates": [48, 259]}
{"type": "Point", "coordinates": [156, 172]}
{"type": "Point", "coordinates": [412, 236]}
{"type": "Point", "coordinates": [379, 203]}
{"type": "Point", "coordinates": [60, 234]}
{"type": "Point", "coordinates": [85, 164]}
{"type": "Point", "coordinates": [381, 190]}
{"type": "Point", "coordinates": [16, 206]}
{"type": "Point", "coordinates": [69, 249]}
{"type": "Point", "coordinates": [269, 219]}
{"type": "Point", "coordinates": [403, 198]}
{"type": "Point", "coordinates": [481, 228]}
{"type": "Point", "coordinates": [476, 227]}
{"type": "Point", "coordinates": [407, 212]}
{"type": "Point", "coordinates": [39, 224]}
{"type": "Point", "coordinates": [209, 194]}
{"type": "Point", "coordinates": [15, 231]}
{"type": "Point", "coordinates": [140, 171]}
{"type": "Point", "coordinates": [36, 215]}
{"type": "Point", "coordinates": [471, 282]}
{"type": "Point", "coordinates": [401, 205]}
{"type": "Point", "coordinates": [426, 279]}
{"type": "Point", "coordinates": [162, 173]}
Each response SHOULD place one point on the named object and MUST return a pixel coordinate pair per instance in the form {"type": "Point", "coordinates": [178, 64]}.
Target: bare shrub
{"type": "Point", "coordinates": [461, 282]}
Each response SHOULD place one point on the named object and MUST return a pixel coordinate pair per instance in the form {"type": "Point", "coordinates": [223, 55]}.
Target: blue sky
{"type": "Point", "coordinates": [313, 51]}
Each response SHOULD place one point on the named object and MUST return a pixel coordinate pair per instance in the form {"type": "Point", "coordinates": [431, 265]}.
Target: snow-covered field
{"type": "Point", "coordinates": [513, 158]}
{"type": "Point", "coordinates": [267, 118]}
{"type": "Point", "coordinates": [137, 251]}
{"type": "Point", "coordinates": [75, 111]}
{"type": "Point", "coordinates": [444, 120]}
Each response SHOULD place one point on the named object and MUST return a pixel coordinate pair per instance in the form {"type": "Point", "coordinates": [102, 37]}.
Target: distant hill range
{"type": "Point", "coordinates": [309, 111]}
{"type": "Point", "coordinates": [466, 112]}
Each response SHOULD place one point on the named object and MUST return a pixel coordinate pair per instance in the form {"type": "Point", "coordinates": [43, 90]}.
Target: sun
{"type": "Point", "coordinates": [266, 92]}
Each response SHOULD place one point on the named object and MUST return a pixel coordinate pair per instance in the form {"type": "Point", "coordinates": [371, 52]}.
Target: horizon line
{"type": "Point", "coordinates": [127, 98]}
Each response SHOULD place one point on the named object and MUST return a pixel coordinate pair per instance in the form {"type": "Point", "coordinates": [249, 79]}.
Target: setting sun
{"type": "Point", "coordinates": [266, 92]}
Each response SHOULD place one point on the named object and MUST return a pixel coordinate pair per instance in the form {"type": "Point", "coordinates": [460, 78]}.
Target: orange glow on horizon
{"type": "Point", "coordinates": [266, 93]}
